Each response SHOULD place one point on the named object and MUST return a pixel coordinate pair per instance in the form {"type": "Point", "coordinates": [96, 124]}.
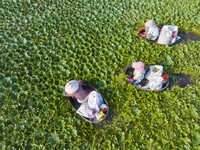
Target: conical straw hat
{"type": "Point", "coordinates": [71, 87]}
{"type": "Point", "coordinates": [149, 23]}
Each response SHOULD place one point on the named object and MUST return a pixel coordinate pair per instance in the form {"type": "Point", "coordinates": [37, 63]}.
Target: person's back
{"type": "Point", "coordinates": [151, 31]}
{"type": "Point", "coordinates": [74, 89]}
{"type": "Point", "coordinates": [168, 35]}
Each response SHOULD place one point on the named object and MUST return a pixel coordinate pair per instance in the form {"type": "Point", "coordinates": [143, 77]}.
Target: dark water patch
{"type": "Point", "coordinates": [180, 79]}
{"type": "Point", "coordinates": [189, 36]}
{"type": "Point", "coordinates": [109, 117]}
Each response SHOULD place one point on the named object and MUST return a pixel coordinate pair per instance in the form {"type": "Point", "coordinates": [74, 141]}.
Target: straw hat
{"type": "Point", "coordinates": [149, 23]}
{"type": "Point", "coordinates": [71, 87]}
{"type": "Point", "coordinates": [139, 66]}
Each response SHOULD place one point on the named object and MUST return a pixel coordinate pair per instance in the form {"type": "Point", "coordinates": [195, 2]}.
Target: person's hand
{"type": "Point", "coordinates": [93, 111]}
{"type": "Point", "coordinates": [103, 107]}
{"type": "Point", "coordinates": [143, 28]}
{"type": "Point", "coordinates": [143, 35]}
{"type": "Point", "coordinates": [80, 82]}
{"type": "Point", "coordinates": [142, 32]}
{"type": "Point", "coordinates": [131, 79]}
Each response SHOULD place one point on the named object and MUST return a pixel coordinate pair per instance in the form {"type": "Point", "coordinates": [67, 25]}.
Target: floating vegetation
{"type": "Point", "coordinates": [45, 44]}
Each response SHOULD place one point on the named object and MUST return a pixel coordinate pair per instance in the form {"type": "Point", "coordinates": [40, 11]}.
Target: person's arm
{"type": "Point", "coordinates": [143, 35]}
{"type": "Point", "coordinates": [143, 32]}
{"type": "Point", "coordinates": [143, 28]}
{"type": "Point", "coordinates": [70, 95]}
{"type": "Point", "coordinates": [80, 82]}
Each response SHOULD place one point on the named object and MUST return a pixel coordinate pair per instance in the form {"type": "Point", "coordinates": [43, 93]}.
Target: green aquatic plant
{"type": "Point", "coordinates": [44, 44]}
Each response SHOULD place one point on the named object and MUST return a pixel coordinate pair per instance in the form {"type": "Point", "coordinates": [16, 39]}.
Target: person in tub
{"type": "Point", "coordinates": [74, 89]}
{"type": "Point", "coordinates": [138, 73]}
{"type": "Point", "coordinates": [94, 108]}
{"type": "Point", "coordinates": [151, 31]}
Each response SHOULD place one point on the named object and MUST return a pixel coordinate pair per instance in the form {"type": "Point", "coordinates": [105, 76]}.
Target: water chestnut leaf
{"type": "Point", "coordinates": [44, 45]}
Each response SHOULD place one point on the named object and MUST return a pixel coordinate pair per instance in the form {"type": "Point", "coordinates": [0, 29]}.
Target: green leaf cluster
{"type": "Point", "coordinates": [44, 44]}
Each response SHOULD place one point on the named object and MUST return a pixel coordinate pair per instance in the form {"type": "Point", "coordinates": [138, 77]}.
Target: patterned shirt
{"type": "Point", "coordinates": [80, 94]}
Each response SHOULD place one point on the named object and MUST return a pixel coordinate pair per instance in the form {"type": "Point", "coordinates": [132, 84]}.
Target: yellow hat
{"type": "Point", "coordinates": [71, 87]}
